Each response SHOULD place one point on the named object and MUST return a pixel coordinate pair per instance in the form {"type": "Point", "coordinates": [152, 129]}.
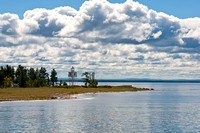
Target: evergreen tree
{"type": "Point", "coordinates": [42, 73]}
{"type": "Point", "coordinates": [48, 80]}
{"type": "Point", "coordinates": [6, 72]}
{"type": "Point", "coordinates": [42, 77]}
{"type": "Point", "coordinates": [31, 77]}
{"type": "Point", "coordinates": [87, 78]}
{"type": "Point", "coordinates": [26, 77]}
{"type": "Point", "coordinates": [9, 72]}
{"type": "Point", "coordinates": [32, 74]}
{"type": "Point", "coordinates": [1, 76]}
{"type": "Point", "coordinates": [21, 76]}
{"type": "Point", "coordinates": [53, 77]}
{"type": "Point", "coordinates": [36, 83]}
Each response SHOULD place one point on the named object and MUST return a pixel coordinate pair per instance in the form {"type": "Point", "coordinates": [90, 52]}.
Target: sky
{"type": "Point", "coordinates": [178, 8]}
{"type": "Point", "coordinates": [115, 38]}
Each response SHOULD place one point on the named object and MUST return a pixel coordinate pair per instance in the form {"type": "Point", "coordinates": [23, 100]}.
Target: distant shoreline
{"type": "Point", "coordinates": [156, 81]}
{"type": "Point", "coordinates": [138, 80]}
{"type": "Point", "coordinates": [52, 93]}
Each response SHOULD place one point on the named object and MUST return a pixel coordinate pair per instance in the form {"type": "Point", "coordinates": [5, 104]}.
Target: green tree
{"type": "Point", "coordinates": [1, 76]}
{"type": "Point", "coordinates": [61, 82]}
{"type": "Point", "coordinates": [31, 77]}
{"type": "Point", "coordinates": [21, 76]}
{"type": "Point", "coordinates": [37, 73]}
{"type": "Point", "coordinates": [36, 83]}
{"type": "Point", "coordinates": [42, 82]}
{"type": "Point", "coordinates": [53, 77]}
{"type": "Point", "coordinates": [37, 78]}
{"type": "Point", "coordinates": [48, 80]}
{"type": "Point", "coordinates": [7, 82]}
{"type": "Point", "coordinates": [93, 83]}
{"type": "Point", "coordinates": [87, 78]}
{"type": "Point", "coordinates": [64, 83]}
{"type": "Point", "coordinates": [9, 72]}
{"type": "Point", "coordinates": [42, 73]}
{"type": "Point", "coordinates": [32, 74]}
{"type": "Point", "coordinates": [6, 71]}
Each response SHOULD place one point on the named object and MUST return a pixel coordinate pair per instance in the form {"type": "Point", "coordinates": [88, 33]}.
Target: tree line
{"type": "Point", "coordinates": [26, 77]}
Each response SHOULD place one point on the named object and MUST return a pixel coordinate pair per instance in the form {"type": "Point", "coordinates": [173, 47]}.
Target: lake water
{"type": "Point", "coordinates": [172, 107]}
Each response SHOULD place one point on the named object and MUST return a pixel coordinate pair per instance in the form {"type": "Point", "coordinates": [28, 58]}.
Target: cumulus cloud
{"type": "Point", "coordinates": [9, 24]}
{"type": "Point", "coordinates": [125, 40]}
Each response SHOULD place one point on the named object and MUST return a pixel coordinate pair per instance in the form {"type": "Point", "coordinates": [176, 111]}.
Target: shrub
{"type": "Point", "coordinates": [7, 82]}
{"type": "Point", "coordinates": [93, 83]}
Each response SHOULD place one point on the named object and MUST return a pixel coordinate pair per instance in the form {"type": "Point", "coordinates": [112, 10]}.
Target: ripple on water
{"type": "Point", "coordinates": [171, 108]}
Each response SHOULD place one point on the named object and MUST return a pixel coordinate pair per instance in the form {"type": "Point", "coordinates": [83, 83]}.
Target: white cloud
{"type": "Point", "coordinates": [157, 35]}
{"type": "Point", "coordinates": [116, 40]}
{"type": "Point", "coordinates": [190, 28]}
{"type": "Point", "coordinates": [9, 24]}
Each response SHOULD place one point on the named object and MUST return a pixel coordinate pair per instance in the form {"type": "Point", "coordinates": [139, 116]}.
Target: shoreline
{"type": "Point", "coordinates": [59, 93]}
{"type": "Point", "coordinates": [70, 98]}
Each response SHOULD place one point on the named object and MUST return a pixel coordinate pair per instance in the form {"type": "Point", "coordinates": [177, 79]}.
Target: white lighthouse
{"type": "Point", "coordinates": [72, 74]}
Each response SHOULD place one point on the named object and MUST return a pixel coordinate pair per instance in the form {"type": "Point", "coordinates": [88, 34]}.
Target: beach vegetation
{"type": "Point", "coordinates": [47, 93]}
{"type": "Point", "coordinates": [93, 83]}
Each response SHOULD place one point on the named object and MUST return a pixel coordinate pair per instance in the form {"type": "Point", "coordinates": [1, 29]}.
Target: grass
{"type": "Point", "coordinates": [46, 93]}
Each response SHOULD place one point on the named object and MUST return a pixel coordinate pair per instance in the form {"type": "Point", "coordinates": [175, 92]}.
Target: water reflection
{"type": "Point", "coordinates": [171, 108]}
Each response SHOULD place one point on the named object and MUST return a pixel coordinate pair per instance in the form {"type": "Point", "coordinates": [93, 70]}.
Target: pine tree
{"type": "Point", "coordinates": [53, 77]}
{"type": "Point", "coordinates": [21, 76]}
{"type": "Point", "coordinates": [87, 78]}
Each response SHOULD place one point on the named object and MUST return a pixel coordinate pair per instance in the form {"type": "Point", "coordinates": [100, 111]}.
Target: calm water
{"type": "Point", "coordinates": [172, 107]}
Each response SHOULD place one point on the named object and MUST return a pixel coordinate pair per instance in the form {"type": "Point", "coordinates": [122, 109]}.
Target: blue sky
{"type": "Point", "coordinates": [178, 8]}
{"type": "Point", "coordinates": [151, 39]}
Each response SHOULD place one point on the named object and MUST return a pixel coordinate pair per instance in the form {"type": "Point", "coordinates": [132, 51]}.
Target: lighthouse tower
{"type": "Point", "coordinates": [72, 74]}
